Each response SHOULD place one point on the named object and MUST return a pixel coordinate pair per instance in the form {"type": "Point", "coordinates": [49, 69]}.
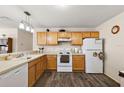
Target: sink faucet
{"type": "Point", "coordinates": [20, 55]}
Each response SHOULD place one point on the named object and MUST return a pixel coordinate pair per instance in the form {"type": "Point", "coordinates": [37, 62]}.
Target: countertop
{"type": "Point", "coordinates": [6, 66]}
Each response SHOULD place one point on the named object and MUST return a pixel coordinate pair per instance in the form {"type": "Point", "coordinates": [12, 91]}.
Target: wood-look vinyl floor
{"type": "Point", "coordinates": [55, 79]}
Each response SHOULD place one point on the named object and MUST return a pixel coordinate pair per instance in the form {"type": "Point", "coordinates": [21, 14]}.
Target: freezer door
{"type": "Point", "coordinates": [92, 44]}
{"type": "Point", "coordinates": [93, 63]}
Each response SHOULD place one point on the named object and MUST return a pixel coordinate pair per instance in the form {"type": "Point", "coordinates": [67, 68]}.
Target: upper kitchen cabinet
{"type": "Point", "coordinates": [41, 38]}
{"type": "Point", "coordinates": [52, 38]}
{"type": "Point", "coordinates": [86, 34]}
{"type": "Point", "coordinates": [76, 38]}
{"type": "Point", "coordinates": [64, 35]}
{"type": "Point", "coordinates": [94, 35]}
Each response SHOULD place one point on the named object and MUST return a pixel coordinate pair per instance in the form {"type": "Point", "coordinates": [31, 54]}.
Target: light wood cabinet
{"type": "Point", "coordinates": [31, 76]}
{"type": "Point", "coordinates": [52, 38]}
{"type": "Point", "coordinates": [94, 35]}
{"type": "Point", "coordinates": [51, 62]}
{"type": "Point", "coordinates": [64, 34]}
{"type": "Point", "coordinates": [86, 34]}
{"type": "Point", "coordinates": [76, 38]}
{"type": "Point", "coordinates": [78, 62]}
{"type": "Point", "coordinates": [41, 38]}
{"type": "Point", "coordinates": [39, 69]}
{"type": "Point", "coordinates": [36, 69]}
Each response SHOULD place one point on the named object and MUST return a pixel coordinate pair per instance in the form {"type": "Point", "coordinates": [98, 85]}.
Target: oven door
{"type": "Point", "coordinates": [64, 60]}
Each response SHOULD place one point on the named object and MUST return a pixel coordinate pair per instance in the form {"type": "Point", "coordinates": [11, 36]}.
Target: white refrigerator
{"type": "Point", "coordinates": [93, 50]}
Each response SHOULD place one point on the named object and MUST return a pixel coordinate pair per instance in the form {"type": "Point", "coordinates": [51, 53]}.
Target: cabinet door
{"type": "Point", "coordinates": [64, 34]}
{"type": "Point", "coordinates": [38, 70]}
{"type": "Point", "coordinates": [76, 38]}
{"type": "Point", "coordinates": [94, 34]}
{"type": "Point", "coordinates": [44, 63]}
{"type": "Point", "coordinates": [52, 38]}
{"type": "Point", "coordinates": [51, 62]}
{"type": "Point", "coordinates": [41, 38]}
{"type": "Point", "coordinates": [78, 63]}
{"type": "Point", "coordinates": [86, 35]}
{"type": "Point", "coordinates": [31, 76]}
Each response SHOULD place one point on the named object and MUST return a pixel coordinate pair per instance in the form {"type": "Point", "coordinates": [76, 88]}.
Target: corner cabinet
{"type": "Point", "coordinates": [35, 69]}
{"type": "Point", "coordinates": [41, 38]}
{"type": "Point", "coordinates": [77, 38]}
{"type": "Point", "coordinates": [52, 38]}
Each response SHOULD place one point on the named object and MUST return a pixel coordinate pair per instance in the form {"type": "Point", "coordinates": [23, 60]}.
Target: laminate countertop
{"type": "Point", "coordinates": [8, 65]}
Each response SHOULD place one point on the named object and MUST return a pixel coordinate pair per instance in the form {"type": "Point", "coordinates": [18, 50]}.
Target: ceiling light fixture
{"type": "Point", "coordinates": [26, 25]}
{"type": "Point", "coordinates": [21, 25]}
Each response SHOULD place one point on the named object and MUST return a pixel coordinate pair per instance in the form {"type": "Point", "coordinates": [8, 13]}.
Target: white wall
{"type": "Point", "coordinates": [49, 48]}
{"type": "Point", "coordinates": [24, 41]}
{"type": "Point", "coordinates": [10, 32]}
{"type": "Point", "coordinates": [114, 46]}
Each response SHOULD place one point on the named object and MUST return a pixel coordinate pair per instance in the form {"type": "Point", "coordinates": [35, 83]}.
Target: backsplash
{"type": "Point", "coordinates": [60, 47]}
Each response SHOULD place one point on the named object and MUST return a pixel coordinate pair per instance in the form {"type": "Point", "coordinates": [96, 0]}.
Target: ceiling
{"type": "Point", "coordinates": [83, 16]}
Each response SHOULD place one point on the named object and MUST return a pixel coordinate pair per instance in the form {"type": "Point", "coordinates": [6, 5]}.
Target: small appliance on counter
{"type": "Point", "coordinates": [76, 50]}
{"type": "Point", "coordinates": [41, 50]}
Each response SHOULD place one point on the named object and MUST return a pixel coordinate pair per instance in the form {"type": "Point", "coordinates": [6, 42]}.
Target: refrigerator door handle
{"type": "Point", "coordinates": [101, 55]}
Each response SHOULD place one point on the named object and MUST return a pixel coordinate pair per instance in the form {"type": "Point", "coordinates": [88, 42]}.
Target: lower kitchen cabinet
{"type": "Point", "coordinates": [39, 69]}
{"type": "Point", "coordinates": [51, 62]}
{"type": "Point", "coordinates": [35, 69]}
{"type": "Point", "coordinates": [31, 76]}
{"type": "Point", "coordinates": [78, 63]}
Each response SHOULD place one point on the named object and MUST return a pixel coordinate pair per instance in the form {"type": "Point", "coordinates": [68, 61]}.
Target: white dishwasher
{"type": "Point", "coordinates": [15, 78]}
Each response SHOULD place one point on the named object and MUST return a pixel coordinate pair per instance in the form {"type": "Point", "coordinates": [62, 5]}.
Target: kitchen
{"type": "Point", "coordinates": [60, 55]}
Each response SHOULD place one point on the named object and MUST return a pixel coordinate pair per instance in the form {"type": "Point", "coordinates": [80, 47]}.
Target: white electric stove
{"type": "Point", "coordinates": [64, 62]}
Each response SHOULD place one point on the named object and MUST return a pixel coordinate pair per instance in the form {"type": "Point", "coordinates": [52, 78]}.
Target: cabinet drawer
{"type": "Point", "coordinates": [77, 57]}
{"type": "Point", "coordinates": [51, 57]}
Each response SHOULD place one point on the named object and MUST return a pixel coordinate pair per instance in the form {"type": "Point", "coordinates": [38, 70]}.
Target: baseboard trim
{"type": "Point", "coordinates": [113, 79]}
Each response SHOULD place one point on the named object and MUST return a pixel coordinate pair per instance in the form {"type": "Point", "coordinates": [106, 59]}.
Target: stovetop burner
{"type": "Point", "coordinates": [60, 53]}
{"type": "Point", "coordinates": [66, 53]}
